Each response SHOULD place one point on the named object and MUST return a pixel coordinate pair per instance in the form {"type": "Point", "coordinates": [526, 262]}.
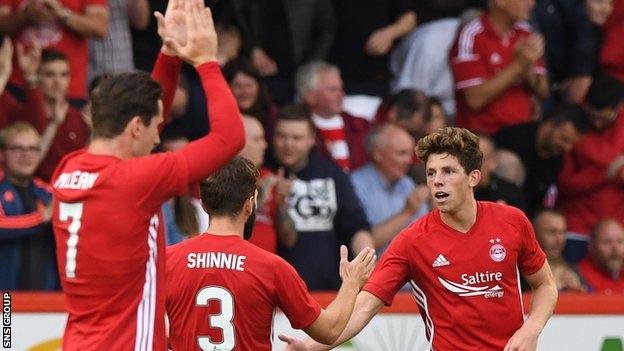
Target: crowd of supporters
{"type": "Point", "coordinates": [334, 95]}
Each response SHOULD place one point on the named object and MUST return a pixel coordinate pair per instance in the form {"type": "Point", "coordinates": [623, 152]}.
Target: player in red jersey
{"type": "Point", "coordinates": [222, 291]}
{"type": "Point", "coordinates": [107, 198]}
{"type": "Point", "coordinates": [462, 260]}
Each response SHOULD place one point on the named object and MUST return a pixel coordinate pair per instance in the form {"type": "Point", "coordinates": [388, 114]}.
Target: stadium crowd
{"type": "Point", "coordinates": [334, 95]}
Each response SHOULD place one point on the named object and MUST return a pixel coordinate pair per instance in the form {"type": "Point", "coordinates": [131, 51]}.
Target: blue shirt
{"type": "Point", "coordinates": [380, 199]}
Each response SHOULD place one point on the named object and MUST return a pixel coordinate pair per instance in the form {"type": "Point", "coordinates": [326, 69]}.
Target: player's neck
{"type": "Point", "coordinates": [111, 147]}
{"type": "Point", "coordinates": [225, 226]}
{"type": "Point", "coordinates": [464, 218]}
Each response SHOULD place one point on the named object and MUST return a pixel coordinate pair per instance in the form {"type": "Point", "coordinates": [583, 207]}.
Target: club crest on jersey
{"type": "Point", "coordinates": [497, 251]}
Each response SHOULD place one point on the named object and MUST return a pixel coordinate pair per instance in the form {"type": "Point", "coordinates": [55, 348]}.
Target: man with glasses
{"type": "Point", "coordinates": [26, 243]}
{"type": "Point", "coordinates": [591, 181]}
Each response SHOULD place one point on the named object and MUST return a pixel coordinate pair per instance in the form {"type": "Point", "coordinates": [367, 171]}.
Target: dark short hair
{"type": "Point", "coordinates": [297, 113]}
{"type": "Point", "coordinates": [53, 55]}
{"type": "Point", "coordinates": [407, 102]}
{"type": "Point", "coordinates": [567, 112]}
{"type": "Point", "coordinates": [605, 92]}
{"type": "Point", "coordinates": [224, 193]}
{"type": "Point", "coordinates": [119, 98]}
{"type": "Point", "coordinates": [458, 142]}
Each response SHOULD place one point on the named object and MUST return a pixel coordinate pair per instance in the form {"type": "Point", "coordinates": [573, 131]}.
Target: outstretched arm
{"type": "Point", "coordinates": [198, 47]}
{"type": "Point", "coordinates": [366, 307]}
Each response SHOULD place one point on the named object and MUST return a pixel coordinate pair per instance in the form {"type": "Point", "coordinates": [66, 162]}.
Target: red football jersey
{"type": "Point", "coordinates": [466, 284]}
{"type": "Point", "coordinates": [478, 55]}
{"type": "Point", "coordinates": [110, 247]}
{"type": "Point", "coordinates": [222, 292]}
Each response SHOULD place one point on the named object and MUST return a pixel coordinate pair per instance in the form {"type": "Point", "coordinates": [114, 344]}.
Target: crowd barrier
{"type": "Point", "coordinates": [581, 322]}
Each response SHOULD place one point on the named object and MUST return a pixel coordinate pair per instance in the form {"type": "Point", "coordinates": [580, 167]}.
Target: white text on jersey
{"type": "Point", "coordinates": [216, 260]}
{"type": "Point", "coordinates": [480, 277]}
{"type": "Point", "coordinates": [76, 180]}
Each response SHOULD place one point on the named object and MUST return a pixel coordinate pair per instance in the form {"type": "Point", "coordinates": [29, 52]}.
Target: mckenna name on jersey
{"type": "Point", "coordinates": [76, 180]}
{"type": "Point", "coordinates": [216, 260]}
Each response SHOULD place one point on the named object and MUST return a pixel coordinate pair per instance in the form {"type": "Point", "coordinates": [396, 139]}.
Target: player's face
{"type": "Point", "coordinates": [21, 154]}
{"type": "Point", "coordinates": [54, 79]}
{"type": "Point", "coordinates": [292, 142]}
{"type": "Point", "coordinates": [255, 144]}
{"type": "Point", "coordinates": [609, 247]}
{"type": "Point", "coordinates": [148, 137]}
{"type": "Point", "coordinates": [245, 89]}
{"type": "Point", "coordinates": [550, 230]}
{"type": "Point", "coordinates": [451, 188]}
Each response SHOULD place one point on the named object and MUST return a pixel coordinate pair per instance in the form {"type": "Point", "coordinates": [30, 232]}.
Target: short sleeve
{"type": "Point", "coordinates": [531, 257]}
{"type": "Point", "coordinates": [157, 178]}
{"type": "Point", "coordinates": [466, 62]}
{"type": "Point", "coordinates": [293, 297]}
{"type": "Point", "coordinates": [392, 272]}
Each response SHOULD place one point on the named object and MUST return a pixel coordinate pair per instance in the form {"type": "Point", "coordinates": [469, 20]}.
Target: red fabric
{"type": "Point", "coordinates": [72, 135]}
{"type": "Point", "coordinates": [612, 53]}
{"type": "Point", "coordinates": [32, 111]}
{"type": "Point", "coordinates": [227, 134]}
{"type": "Point", "coordinates": [355, 130]}
{"type": "Point", "coordinates": [333, 136]}
{"type": "Point", "coordinates": [598, 280]}
{"type": "Point", "coordinates": [166, 73]}
{"type": "Point", "coordinates": [264, 235]}
{"type": "Point", "coordinates": [463, 293]}
{"type": "Point", "coordinates": [60, 38]}
{"type": "Point", "coordinates": [587, 196]}
{"type": "Point", "coordinates": [117, 295]}
{"type": "Point", "coordinates": [242, 297]}
{"type": "Point", "coordinates": [478, 55]}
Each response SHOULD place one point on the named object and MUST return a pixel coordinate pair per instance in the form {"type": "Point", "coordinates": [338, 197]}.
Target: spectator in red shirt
{"type": "Point", "coordinates": [591, 180]}
{"type": "Point", "coordinates": [498, 69]}
{"type": "Point", "coordinates": [66, 130]}
{"type": "Point", "coordinates": [340, 136]}
{"type": "Point", "coordinates": [604, 268]}
{"type": "Point", "coordinates": [62, 25]}
{"type": "Point", "coordinates": [272, 218]}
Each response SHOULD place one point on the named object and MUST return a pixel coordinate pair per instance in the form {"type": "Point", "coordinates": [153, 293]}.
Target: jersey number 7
{"type": "Point", "coordinates": [73, 211]}
{"type": "Point", "coordinates": [222, 321]}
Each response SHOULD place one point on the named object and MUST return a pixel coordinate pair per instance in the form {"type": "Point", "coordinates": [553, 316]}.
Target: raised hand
{"type": "Point", "coordinates": [201, 37]}
{"type": "Point", "coordinates": [172, 25]}
{"type": "Point", "coordinates": [360, 268]}
{"type": "Point", "coordinates": [29, 60]}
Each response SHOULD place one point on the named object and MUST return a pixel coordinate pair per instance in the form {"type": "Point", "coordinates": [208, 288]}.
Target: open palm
{"type": "Point", "coordinates": [172, 25]}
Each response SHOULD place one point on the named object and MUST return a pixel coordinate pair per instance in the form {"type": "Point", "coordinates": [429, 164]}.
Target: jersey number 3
{"type": "Point", "coordinates": [222, 321]}
{"type": "Point", "coordinates": [73, 211]}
